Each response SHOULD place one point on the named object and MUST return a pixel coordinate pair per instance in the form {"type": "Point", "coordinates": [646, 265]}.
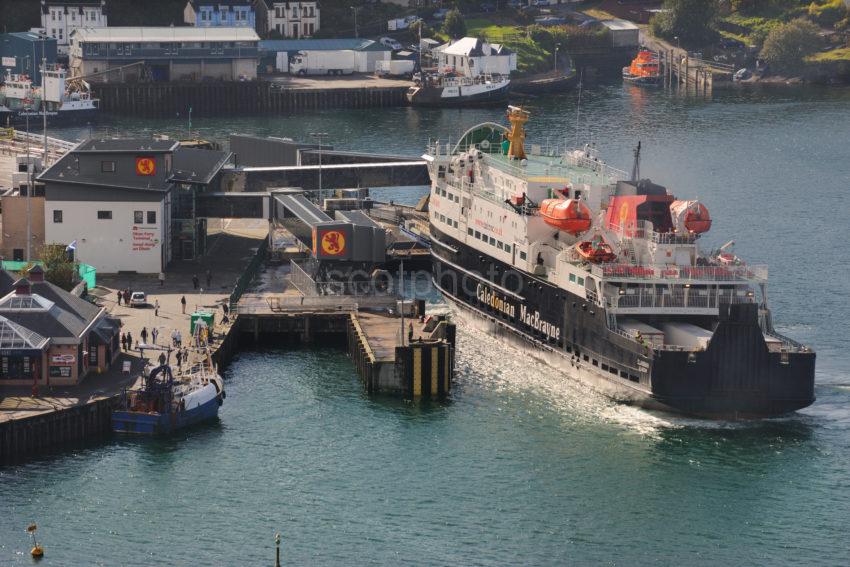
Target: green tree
{"type": "Point", "coordinates": [828, 13]}
{"type": "Point", "coordinates": [788, 44]}
{"type": "Point", "coordinates": [455, 25]}
{"type": "Point", "coordinates": [58, 269]}
{"type": "Point", "coordinates": [692, 21]}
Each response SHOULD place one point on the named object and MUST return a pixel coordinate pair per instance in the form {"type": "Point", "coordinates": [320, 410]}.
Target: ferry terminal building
{"type": "Point", "coordinates": [129, 204]}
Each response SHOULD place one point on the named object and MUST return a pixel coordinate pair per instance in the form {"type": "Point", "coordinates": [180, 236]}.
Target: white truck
{"type": "Point", "coordinates": [394, 68]}
{"type": "Point", "coordinates": [339, 62]}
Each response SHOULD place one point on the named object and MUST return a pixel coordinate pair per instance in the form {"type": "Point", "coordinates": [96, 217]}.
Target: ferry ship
{"type": "Point", "coordinates": [643, 70]}
{"type": "Point", "coordinates": [601, 274]}
{"type": "Point", "coordinates": [63, 101]}
{"type": "Point", "coordinates": [166, 403]}
{"type": "Point", "coordinates": [451, 90]}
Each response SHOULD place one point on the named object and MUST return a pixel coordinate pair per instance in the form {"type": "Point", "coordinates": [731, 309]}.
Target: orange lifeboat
{"type": "Point", "coordinates": [597, 251]}
{"type": "Point", "coordinates": [570, 215]}
{"type": "Point", "coordinates": [690, 216]}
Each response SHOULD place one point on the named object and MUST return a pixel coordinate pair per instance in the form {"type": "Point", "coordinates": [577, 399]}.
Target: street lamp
{"type": "Point", "coordinates": [354, 9]}
{"type": "Point", "coordinates": [319, 136]}
{"type": "Point", "coordinates": [557, 47]}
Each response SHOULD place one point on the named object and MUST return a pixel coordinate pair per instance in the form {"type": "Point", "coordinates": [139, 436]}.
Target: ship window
{"type": "Point", "coordinates": [624, 374]}
{"type": "Point", "coordinates": [104, 215]}
{"type": "Point", "coordinates": [573, 278]}
{"type": "Point", "coordinates": [477, 234]}
{"type": "Point", "coordinates": [604, 366]}
{"type": "Point", "coordinates": [57, 216]}
{"type": "Point", "coordinates": [151, 217]}
{"type": "Point", "coordinates": [138, 217]}
{"type": "Point", "coordinates": [499, 245]}
{"type": "Point", "coordinates": [581, 281]}
{"type": "Point", "coordinates": [492, 241]}
{"type": "Point", "coordinates": [469, 231]}
{"type": "Point", "coordinates": [577, 194]}
{"type": "Point", "coordinates": [107, 166]}
{"type": "Point", "coordinates": [586, 358]}
{"type": "Point", "coordinates": [595, 362]}
{"type": "Point", "coordinates": [612, 370]}
{"type": "Point", "coordinates": [634, 378]}
{"type": "Point", "coordinates": [522, 256]}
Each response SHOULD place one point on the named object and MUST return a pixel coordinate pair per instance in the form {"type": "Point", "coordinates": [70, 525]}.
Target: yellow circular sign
{"type": "Point", "coordinates": [333, 243]}
{"type": "Point", "coordinates": [145, 166]}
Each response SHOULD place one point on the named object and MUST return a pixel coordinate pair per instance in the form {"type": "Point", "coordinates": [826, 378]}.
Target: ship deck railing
{"type": "Point", "coordinates": [683, 274]}
{"type": "Point", "coordinates": [646, 230]}
{"type": "Point", "coordinates": [542, 160]}
{"type": "Point", "coordinates": [661, 301]}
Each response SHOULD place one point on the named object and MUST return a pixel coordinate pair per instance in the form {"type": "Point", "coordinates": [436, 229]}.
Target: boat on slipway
{"type": "Point", "coordinates": [645, 69]}
{"type": "Point", "coordinates": [601, 274]}
{"type": "Point", "coordinates": [166, 403]}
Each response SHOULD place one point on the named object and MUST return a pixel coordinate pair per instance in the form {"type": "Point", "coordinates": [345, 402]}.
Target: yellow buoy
{"type": "Point", "coordinates": [37, 551]}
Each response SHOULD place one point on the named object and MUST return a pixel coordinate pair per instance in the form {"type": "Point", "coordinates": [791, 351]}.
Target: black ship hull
{"type": "Point", "coordinates": [54, 117]}
{"type": "Point", "coordinates": [735, 377]}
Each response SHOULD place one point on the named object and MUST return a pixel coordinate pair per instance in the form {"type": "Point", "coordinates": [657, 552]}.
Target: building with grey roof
{"type": "Point", "coordinates": [129, 204]}
{"type": "Point", "coordinates": [168, 53]}
{"type": "Point", "coordinates": [49, 336]}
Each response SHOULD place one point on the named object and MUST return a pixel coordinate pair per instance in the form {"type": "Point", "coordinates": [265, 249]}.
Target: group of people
{"type": "Point", "coordinates": [124, 294]}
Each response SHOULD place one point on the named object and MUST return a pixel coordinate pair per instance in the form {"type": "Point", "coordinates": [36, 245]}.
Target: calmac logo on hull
{"type": "Point", "coordinates": [529, 318]}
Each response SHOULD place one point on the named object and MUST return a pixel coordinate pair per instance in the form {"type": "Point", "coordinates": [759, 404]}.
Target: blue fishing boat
{"type": "Point", "coordinates": [166, 403]}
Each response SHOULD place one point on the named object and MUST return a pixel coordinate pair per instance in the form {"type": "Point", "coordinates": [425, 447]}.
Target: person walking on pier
{"type": "Point", "coordinates": [129, 341]}
{"type": "Point", "coordinates": [123, 341]}
{"type": "Point", "coordinates": [120, 295]}
{"type": "Point", "coordinates": [410, 332]}
{"type": "Point", "coordinates": [161, 279]}
{"type": "Point", "coordinates": [179, 339]}
{"type": "Point", "coordinates": [183, 304]}
{"type": "Point", "coordinates": [195, 281]}
{"type": "Point", "coordinates": [154, 334]}
{"type": "Point", "coordinates": [156, 308]}
{"type": "Point", "coordinates": [144, 334]}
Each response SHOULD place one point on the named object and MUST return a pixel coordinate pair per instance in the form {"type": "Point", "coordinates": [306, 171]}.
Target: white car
{"type": "Point", "coordinates": [391, 43]}
{"type": "Point", "coordinates": [138, 299]}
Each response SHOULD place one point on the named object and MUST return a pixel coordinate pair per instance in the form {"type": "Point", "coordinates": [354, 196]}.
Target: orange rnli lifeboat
{"type": "Point", "coordinates": [690, 216]}
{"type": "Point", "coordinates": [570, 215]}
{"type": "Point", "coordinates": [644, 69]}
{"type": "Point", "coordinates": [596, 251]}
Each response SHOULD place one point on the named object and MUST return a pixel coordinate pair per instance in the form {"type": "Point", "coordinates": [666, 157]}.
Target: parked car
{"type": "Point", "coordinates": [138, 299]}
{"type": "Point", "coordinates": [391, 43]}
{"type": "Point", "coordinates": [742, 75]}
{"type": "Point", "coordinates": [731, 43]}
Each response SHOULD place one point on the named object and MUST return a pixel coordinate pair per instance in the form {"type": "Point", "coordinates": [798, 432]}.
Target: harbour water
{"type": "Point", "coordinates": [521, 465]}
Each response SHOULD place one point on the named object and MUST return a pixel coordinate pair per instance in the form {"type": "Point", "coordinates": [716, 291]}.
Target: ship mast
{"type": "Point", "coordinates": [636, 164]}
{"type": "Point", "coordinates": [517, 117]}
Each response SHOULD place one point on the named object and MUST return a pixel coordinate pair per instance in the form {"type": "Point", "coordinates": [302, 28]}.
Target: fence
{"type": "Point", "coordinates": [85, 272]}
{"type": "Point", "coordinates": [249, 273]}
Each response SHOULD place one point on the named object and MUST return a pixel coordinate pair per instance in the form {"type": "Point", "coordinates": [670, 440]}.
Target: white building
{"type": "Point", "coordinates": [294, 19]}
{"type": "Point", "coordinates": [472, 56]}
{"type": "Point", "coordinates": [59, 19]}
{"type": "Point", "coordinates": [122, 202]}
